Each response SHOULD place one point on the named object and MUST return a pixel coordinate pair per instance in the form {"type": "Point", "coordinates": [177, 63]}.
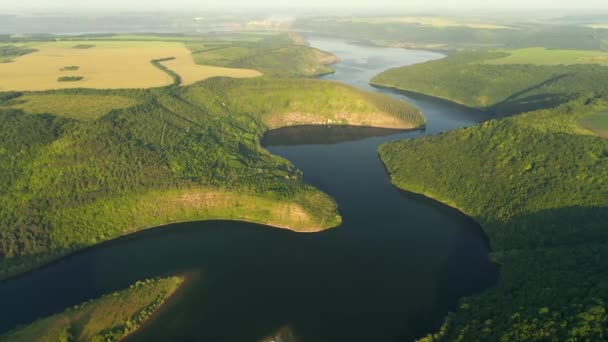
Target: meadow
{"type": "Point", "coordinates": [104, 65]}
{"type": "Point", "coordinates": [108, 318]}
{"type": "Point", "coordinates": [543, 56]}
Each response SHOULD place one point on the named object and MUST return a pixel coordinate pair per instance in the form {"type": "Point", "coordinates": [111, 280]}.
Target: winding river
{"type": "Point", "coordinates": [391, 272]}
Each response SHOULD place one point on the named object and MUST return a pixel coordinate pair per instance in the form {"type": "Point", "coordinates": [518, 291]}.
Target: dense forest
{"type": "Point", "coordinates": [501, 89]}
{"type": "Point", "coordinates": [537, 183]}
{"type": "Point", "coordinates": [84, 166]}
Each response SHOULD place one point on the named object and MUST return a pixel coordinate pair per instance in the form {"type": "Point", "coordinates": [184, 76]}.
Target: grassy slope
{"type": "Point", "coordinates": [108, 318]}
{"type": "Point", "coordinates": [536, 182]}
{"type": "Point", "coordinates": [542, 56]}
{"type": "Point", "coordinates": [180, 154]}
{"type": "Point", "coordinates": [467, 78]}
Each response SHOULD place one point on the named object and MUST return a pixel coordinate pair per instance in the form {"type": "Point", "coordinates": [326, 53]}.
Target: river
{"type": "Point", "coordinates": [391, 272]}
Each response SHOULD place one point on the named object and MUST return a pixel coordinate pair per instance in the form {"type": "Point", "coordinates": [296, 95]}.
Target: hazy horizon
{"type": "Point", "coordinates": [297, 5]}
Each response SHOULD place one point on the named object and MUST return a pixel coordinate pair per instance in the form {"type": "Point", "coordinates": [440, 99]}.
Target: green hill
{"type": "Point", "coordinates": [536, 182]}
{"type": "Point", "coordinates": [71, 176]}
{"type": "Point", "coordinates": [277, 55]}
{"type": "Point", "coordinates": [469, 78]}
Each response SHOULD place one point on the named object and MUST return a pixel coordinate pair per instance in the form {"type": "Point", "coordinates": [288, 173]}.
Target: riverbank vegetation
{"type": "Point", "coordinates": [536, 182]}
{"type": "Point", "coordinates": [108, 318]}
{"type": "Point", "coordinates": [471, 79]}
{"type": "Point", "coordinates": [84, 166]}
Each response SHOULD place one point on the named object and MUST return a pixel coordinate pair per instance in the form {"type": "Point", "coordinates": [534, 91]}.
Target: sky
{"type": "Point", "coordinates": [410, 5]}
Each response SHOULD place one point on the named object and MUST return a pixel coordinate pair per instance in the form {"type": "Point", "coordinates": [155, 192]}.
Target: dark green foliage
{"type": "Point", "coordinates": [70, 68]}
{"type": "Point", "coordinates": [177, 80]}
{"type": "Point", "coordinates": [58, 176]}
{"type": "Point", "coordinates": [549, 294]}
{"type": "Point", "coordinates": [70, 78]}
{"type": "Point", "coordinates": [83, 46]}
{"type": "Point", "coordinates": [9, 95]}
{"type": "Point", "coordinates": [500, 89]}
{"type": "Point", "coordinates": [7, 53]}
{"type": "Point", "coordinates": [538, 185]}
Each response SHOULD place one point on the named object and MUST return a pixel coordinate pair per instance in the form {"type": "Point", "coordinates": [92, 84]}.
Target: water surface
{"type": "Point", "coordinates": [391, 272]}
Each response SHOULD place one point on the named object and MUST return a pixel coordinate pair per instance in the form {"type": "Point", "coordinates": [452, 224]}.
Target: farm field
{"type": "Point", "coordinates": [104, 65]}
{"type": "Point", "coordinates": [543, 56]}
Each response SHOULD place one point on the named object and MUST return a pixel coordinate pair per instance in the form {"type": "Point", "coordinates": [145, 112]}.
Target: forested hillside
{"type": "Point", "coordinates": [277, 55]}
{"type": "Point", "coordinates": [72, 176]}
{"type": "Point", "coordinates": [536, 182]}
{"type": "Point", "coordinates": [501, 89]}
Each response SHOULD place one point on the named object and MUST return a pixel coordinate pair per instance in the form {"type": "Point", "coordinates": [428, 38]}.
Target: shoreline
{"type": "Point", "coordinates": [52, 259]}
{"type": "Point", "coordinates": [434, 98]}
{"type": "Point", "coordinates": [187, 279]}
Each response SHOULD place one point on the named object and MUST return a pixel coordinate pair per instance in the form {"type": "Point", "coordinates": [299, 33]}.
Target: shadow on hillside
{"type": "Point", "coordinates": [323, 135]}
{"type": "Point", "coordinates": [549, 228]}
{"type": "Point", "coordinates": [520, 103]}
{"type": "Point", "coordinates": [529, 103]}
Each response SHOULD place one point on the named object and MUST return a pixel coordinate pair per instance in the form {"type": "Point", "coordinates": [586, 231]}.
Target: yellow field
{"type": "Point", "coordinates": [78, 107]}
{"type": "Point", "coordinates": [109, 64]}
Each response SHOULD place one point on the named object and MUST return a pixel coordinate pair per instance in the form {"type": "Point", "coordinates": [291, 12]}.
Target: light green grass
{"type": "Point", "coordinates": [222, 56]}
{"type": "Point", "coordinates": [108, 318]}
{"type": "Point", "coordinates": [542, 56]}
{"type": "Point", "coordinates": [78, 107]}
{"type": "Point", "coordinates": [596, 122]}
